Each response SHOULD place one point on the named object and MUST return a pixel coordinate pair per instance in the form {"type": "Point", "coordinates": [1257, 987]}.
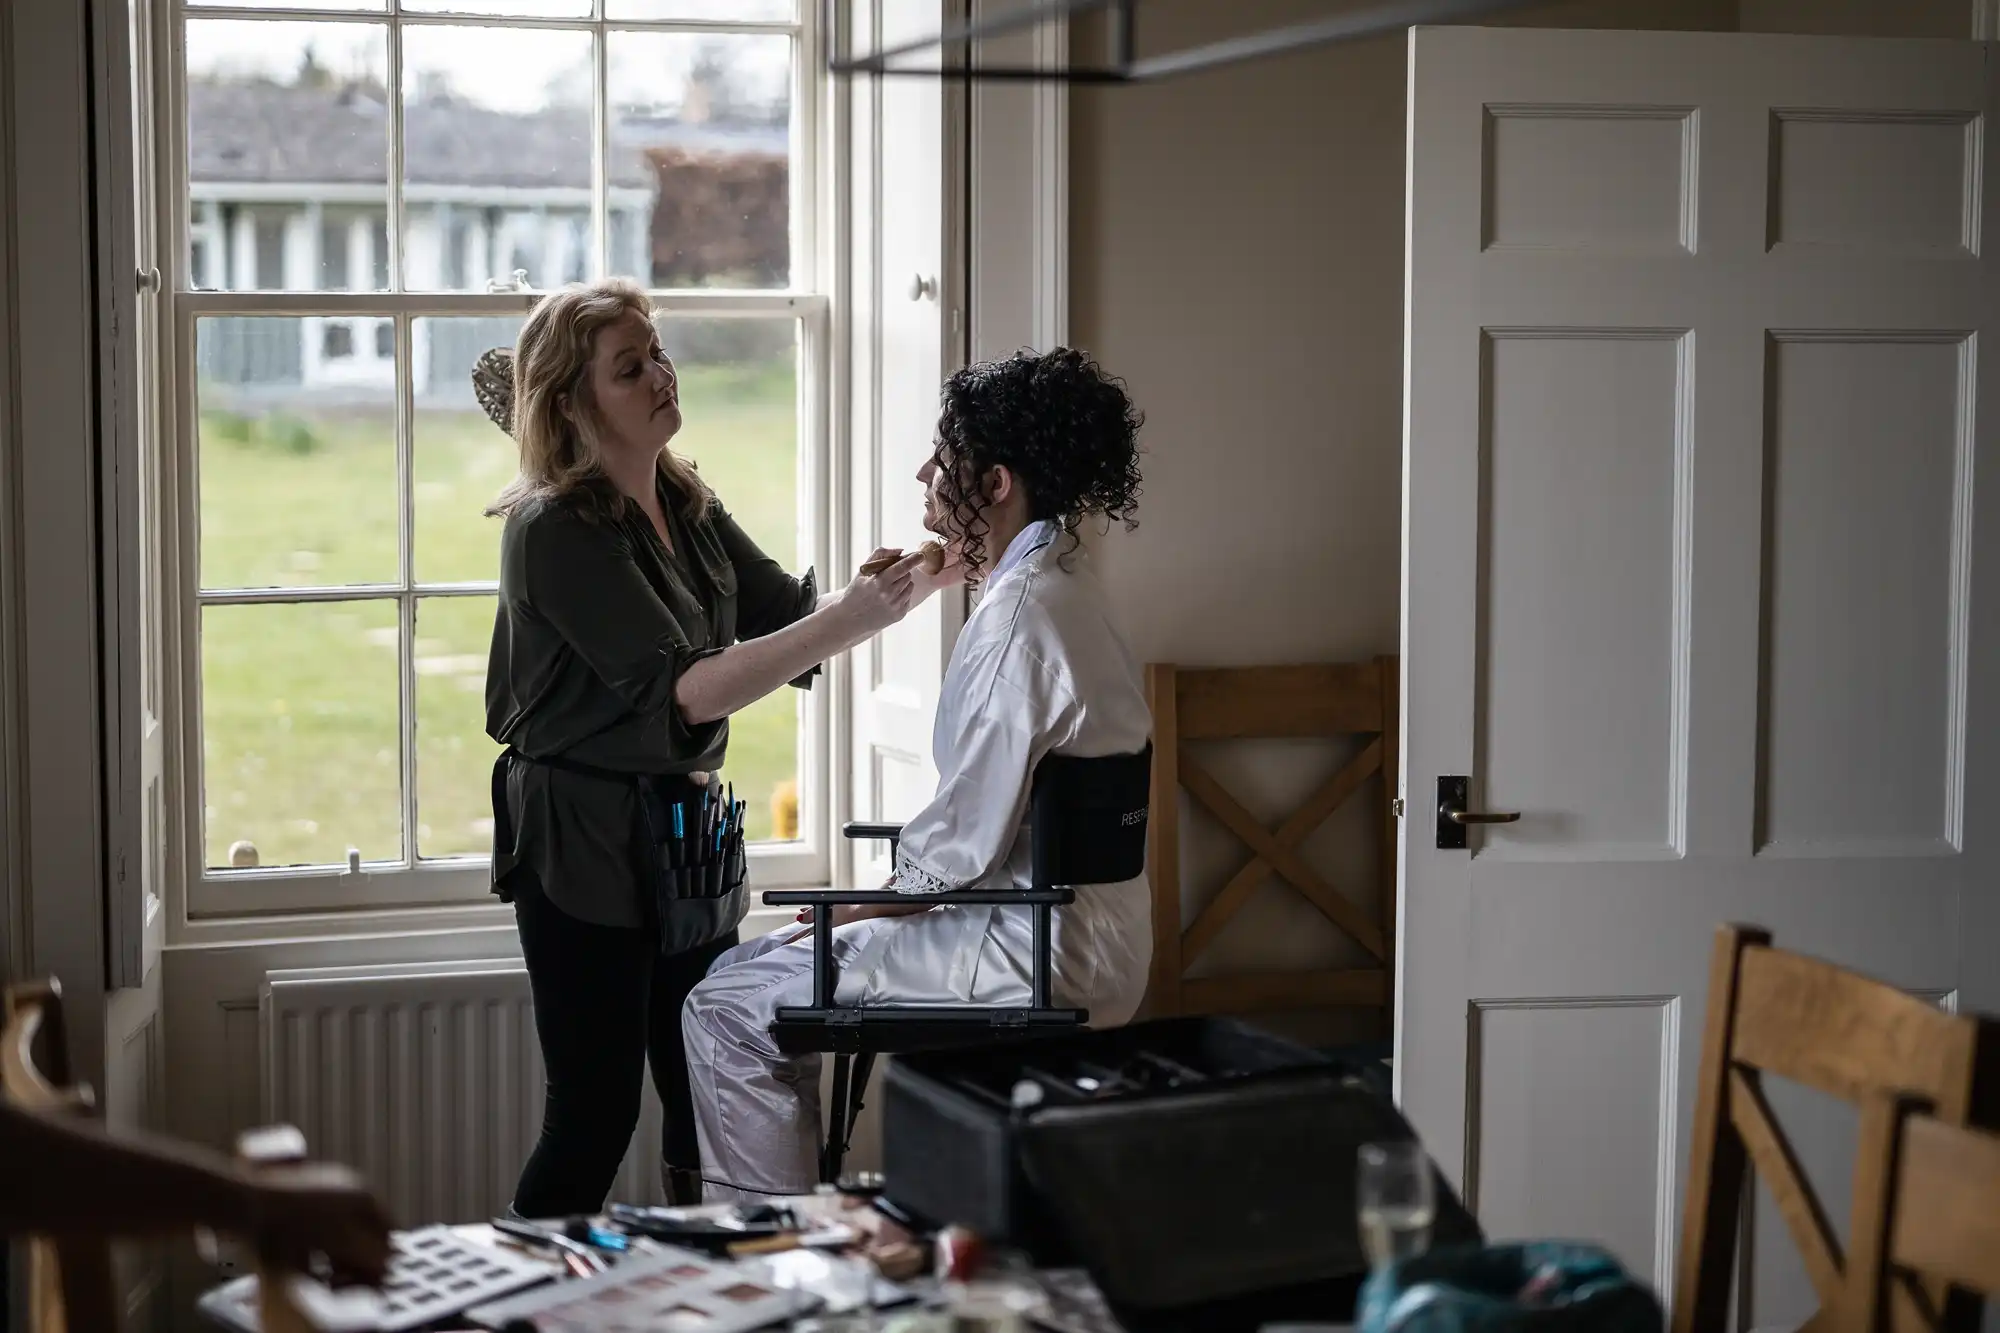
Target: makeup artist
{"type": "Point", "coordinates": [634, 617]}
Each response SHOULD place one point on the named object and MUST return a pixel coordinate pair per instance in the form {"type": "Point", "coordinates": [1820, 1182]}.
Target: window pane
{"type": "Point", "coordinates": [269, 230]}
{"type": "Point", "coordinates": [739, 402]}
{"type": "Point", "coordinates": [454, 755]}
{"type": "Point", "coordinates": [742, 11]}
{"type": "Point", "coordinates": [739, 407]}
{"type": "Point", "coordinates": [534, 9]}
{"type": "Point", "coordinates": [763, 764]}
{"type": "Point", "coordinates": [378, 251]}
{"type": "Point", "coordinates": [497, 150]}
{"type": "Point", "coordinates": [297, 445]}
{"type": "Point", "coordinates": [284, 119]}
{"type": "Point", "coordinates": [461, 459]}
{"type": "Point", "coordinates": [299, 733]}
{"type": "Point", "coordinates": [297, 4]}
{"type": "Point", "coordinates": [336, 250]}
{"type": "Point", "coordinates": [701, 158]}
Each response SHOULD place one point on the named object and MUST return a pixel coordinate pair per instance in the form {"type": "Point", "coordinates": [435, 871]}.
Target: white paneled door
{"type": "Point", "coordinates": [1698, 583]}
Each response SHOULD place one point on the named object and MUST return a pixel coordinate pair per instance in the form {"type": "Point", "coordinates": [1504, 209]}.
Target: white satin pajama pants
{"type": "Point", "coordinates": [757, 1110]}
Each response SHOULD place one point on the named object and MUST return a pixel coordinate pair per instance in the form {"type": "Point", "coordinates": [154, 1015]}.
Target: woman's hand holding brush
{"type": "Point", "coordinates": [933, 554]}
{"type": "Point", "coordinates": [890, 582]}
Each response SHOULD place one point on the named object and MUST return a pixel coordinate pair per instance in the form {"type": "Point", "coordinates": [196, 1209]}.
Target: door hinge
{"type": "Point", "coordinates": [1396, 807]}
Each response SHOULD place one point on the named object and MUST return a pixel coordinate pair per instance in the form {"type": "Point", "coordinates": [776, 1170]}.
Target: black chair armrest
{"type": "Point", "coordinates": [1044, 901]}
{"type": "Point", "coordinates": [871, 832]}
{"type": "Point", "coordinates": [964, 897]}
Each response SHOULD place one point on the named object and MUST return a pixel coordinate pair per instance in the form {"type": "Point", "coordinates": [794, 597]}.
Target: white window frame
{"type": "Point", "coordinates": [211, 895]}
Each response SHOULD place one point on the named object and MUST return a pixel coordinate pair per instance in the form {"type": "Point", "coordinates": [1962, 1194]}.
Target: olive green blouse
{"type": "Point", "coordinates": [597, 619]}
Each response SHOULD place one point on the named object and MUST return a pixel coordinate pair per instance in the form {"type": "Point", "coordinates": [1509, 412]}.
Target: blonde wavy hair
{"type": "Point", "coordinates": [562, 458]}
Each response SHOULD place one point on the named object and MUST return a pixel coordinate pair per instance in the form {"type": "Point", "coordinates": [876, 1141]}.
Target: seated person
{"type": "Point", "coordinates": [1028, 447]}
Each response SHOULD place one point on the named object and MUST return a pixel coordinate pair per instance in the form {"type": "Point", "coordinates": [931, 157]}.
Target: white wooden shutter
{"type": "Point", "coordinates": [906, 316]}
{"type": "Point", "coordinates": [128, 321]}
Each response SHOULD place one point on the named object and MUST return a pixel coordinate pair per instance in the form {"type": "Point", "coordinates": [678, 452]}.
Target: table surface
{"type": "Point", "coordinates": [826, 1208]}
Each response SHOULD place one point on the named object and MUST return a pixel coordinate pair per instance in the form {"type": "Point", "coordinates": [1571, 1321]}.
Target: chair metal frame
{"type": "Point", "coordinates": [856, 1034]}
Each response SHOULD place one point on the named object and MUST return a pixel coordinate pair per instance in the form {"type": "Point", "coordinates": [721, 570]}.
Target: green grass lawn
{"type": "Point", "coordinates": [300, 702]}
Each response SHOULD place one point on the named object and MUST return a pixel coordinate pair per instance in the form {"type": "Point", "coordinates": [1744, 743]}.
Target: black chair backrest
{"type": "Point", "coordinates": [1089, 818]}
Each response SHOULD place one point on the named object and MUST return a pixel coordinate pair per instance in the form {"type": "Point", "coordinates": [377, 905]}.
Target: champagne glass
{"type": "Point", "coordinates": [1397, 1200]}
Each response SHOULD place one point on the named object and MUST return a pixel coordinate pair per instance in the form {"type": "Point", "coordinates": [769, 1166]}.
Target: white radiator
{"type": "Point", "coordinates": [426, 1078]}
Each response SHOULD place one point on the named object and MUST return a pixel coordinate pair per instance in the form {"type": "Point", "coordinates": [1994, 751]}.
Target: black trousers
{"type": "Point", "coordinates": [606, 1004]}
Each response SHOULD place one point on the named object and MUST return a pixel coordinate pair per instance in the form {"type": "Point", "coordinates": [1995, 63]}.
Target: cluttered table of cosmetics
{"type": "Point", "coordinates": [827, 1263]}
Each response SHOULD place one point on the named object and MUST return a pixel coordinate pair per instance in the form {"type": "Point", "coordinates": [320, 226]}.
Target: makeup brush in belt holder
{"type": "Point", "coordinates": [704, 854]}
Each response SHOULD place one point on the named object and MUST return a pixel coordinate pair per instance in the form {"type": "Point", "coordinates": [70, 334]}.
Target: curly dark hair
{"type": "Point", "coordinates": [1066, 429]}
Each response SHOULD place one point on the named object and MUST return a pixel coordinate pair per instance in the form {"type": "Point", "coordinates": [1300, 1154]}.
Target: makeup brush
{"type": "Point", "coordinates": [932, 552]}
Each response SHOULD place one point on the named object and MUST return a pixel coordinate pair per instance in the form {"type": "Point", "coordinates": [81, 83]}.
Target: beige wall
{"type": "Point", "coordinates": [1237, 255]}
{"type": "Point", "coordinates": [1870, 18]}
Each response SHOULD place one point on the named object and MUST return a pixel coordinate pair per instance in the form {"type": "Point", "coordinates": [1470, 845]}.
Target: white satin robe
{"type": "Point", "coordinates": [1038, 669]}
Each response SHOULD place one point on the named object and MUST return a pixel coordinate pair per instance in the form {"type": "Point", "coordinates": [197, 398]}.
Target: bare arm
{"type": "Point", "coordinates": [718, 685]}
{"type": "Point", "coordinates": [582, 578]}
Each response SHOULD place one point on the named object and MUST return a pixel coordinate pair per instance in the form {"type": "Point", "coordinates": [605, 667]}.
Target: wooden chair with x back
{"type": "Point", "coordinates": [1842, 1034]}
{"type": "Point", "coordinates": [70, 1287]}
{"type": "Point", "coordinates": [70, 1280]}
{"type": "Point", "coordinates": [1273, 702]}
{"type": "Point", "coordinates": [1926, 1209]}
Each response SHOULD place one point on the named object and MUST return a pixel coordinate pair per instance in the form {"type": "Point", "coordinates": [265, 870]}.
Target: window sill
{"type": "Point", "coordinates": [278, 899]}
{"type": "Point", "coordinates": [450, 925]}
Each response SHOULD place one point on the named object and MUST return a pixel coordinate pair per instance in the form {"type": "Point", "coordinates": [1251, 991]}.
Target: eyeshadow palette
{"type": "Point", "coordinates": [433, 1273]}
{"type": "Point", "coordinates": [673, 1291]}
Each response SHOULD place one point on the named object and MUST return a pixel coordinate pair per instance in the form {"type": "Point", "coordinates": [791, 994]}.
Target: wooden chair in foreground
{"type": "Point", "coordinates": [70, 1285]}
{"type": "Point", "coordinates": [135, 1185]}
{"type": "Point", "coordinates": [1243, 703]}
{"type": "Point", "coordinates": [1926, 1206]}
{"type": "Point", "coordinates": [1829, 1029]}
